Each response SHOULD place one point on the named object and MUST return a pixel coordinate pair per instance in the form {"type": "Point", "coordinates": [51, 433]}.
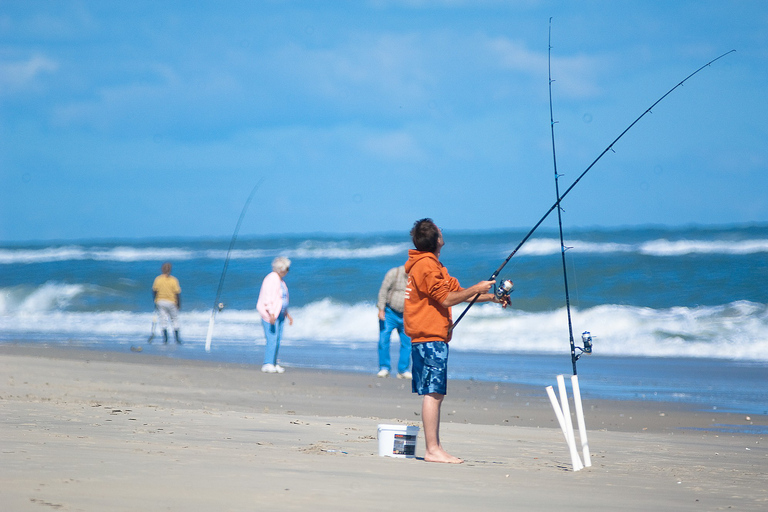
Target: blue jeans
{"type": "Point", "coordinates": [393, 321]}
{"type": "Point", "coordinates": [273, 333]}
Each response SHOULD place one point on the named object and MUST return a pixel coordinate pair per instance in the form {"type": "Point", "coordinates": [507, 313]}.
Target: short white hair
{"type": "Point", "coordinates": [281, 264]}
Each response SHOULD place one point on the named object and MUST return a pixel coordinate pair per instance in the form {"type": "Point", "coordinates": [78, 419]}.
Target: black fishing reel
{"type": "Point", "coordinates": [503, 290]}
{"type": "Point", "coordinates": [586, 339]}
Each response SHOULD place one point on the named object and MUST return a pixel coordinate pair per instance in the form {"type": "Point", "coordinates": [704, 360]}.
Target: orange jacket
{"type": "Point", "coordinates": [428, 284]}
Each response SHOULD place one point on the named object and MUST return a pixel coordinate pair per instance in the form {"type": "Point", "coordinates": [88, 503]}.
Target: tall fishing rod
{"type": "Point", "coordinates": [216, 305]}
{"type": "Point", "coordinates": [557, 203]}
{"type": "Point", "coordinates": [557, 195]}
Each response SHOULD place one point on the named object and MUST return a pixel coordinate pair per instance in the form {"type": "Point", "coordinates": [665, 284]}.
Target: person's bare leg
{"type": "Point", "coordinates": [430, 415]}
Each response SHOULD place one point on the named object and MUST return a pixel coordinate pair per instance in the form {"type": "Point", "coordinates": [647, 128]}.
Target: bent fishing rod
{"type": "Point", "coordinates": [216, 305]}
{"type": "Point", "coordinates": [568, 190]}
{"type": "Point", "coordinates": [574, 357]}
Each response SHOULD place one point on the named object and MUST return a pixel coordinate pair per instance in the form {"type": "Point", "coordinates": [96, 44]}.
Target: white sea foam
{"type": "Point", "coordinates": [336, 250]}
{"type": "Point", "coordinates": [236, 254]}
{"type": "Point", "coordinates": [341, 250]}
{"type": "Point", "coordinates": [660, 247]}
{"type": "Point", "coordinates": [78, 253]}
{"type": "Point", "coordinates": [548, 246]}
{"type": "Point", "coordinates": [306, 250]}
{"type": "Point", "coordinates": [736, 331]}
{"type": "Point", "coordinates": [140, 254]}
{"type": "Point", "coordinates": [47, 254]}
{"type": "Point", "coordinates": [680, 247]}
{"type": "Point", "coordinates": [48, 297]}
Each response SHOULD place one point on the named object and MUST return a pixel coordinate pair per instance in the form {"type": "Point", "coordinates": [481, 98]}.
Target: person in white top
{"type": "Point", "coordinates": [273, 308]}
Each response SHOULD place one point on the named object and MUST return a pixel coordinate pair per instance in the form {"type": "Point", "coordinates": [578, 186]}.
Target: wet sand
{"type": "Point", "coordinates": [86, 430]}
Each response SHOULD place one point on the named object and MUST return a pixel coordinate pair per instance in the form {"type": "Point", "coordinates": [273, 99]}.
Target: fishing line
{"type": "Point", "coordinates": [575, 282]}
{"type": "Point", "coordinates": [216, 305]}
{"type": "Point", "coordinates": [568, 190]}
{"type": "Point", "coordinates": [559, 208]}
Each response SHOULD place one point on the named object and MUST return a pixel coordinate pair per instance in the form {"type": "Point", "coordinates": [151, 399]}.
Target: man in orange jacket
{"type": "Point", "coordinates": [429, 295]}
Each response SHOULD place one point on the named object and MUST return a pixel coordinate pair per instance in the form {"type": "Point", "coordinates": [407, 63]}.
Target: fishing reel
{"type": "Point", "coordinates": [586, 339]}
{"type": "Point", "coordinates": [503, 290]}
{"type": "Point", "coordinates": [220, 306]}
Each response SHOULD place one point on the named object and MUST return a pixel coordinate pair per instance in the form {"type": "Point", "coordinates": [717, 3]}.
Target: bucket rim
{"type": "Point", "coordinates": [384, 426]}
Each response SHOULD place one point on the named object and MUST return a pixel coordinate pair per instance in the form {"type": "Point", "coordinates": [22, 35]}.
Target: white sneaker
{"type": "Point", "coordinates": [269, 368]}
{"type": "Point", "coordinates": [383, 373]}
{"type": "Point", "coordinates": [279, 369]}
{"type": "Point", "coordinates": [405, 375]}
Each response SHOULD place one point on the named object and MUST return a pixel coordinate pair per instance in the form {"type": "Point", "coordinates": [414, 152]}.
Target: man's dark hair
{"type": "Point", "coordinates": [425, 235]}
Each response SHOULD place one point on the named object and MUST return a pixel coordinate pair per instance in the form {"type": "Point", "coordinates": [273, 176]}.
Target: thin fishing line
{"type": "Point", "coordinates": [557, 203]}
{"type": "Point", "coordinates": [574, 282]}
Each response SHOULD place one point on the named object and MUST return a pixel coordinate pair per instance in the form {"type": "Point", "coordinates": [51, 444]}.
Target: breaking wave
{"type": "Point", "coordinates": [738, 330]}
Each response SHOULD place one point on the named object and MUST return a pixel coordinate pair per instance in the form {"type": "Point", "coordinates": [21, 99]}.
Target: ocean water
{"type": "Point", "coordinates": [675, 314]}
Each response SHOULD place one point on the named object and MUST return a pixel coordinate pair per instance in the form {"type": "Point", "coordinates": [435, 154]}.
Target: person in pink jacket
{"type": "Point", "coordinates": [273, 308]}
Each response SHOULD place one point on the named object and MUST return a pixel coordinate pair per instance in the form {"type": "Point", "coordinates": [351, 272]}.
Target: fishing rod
{"type": "Point", "coordinates": [557, 195]}
{"type": "Point", "coordinates": [217, 306]}
{"type": "Point", "coordinates": [560, 198]}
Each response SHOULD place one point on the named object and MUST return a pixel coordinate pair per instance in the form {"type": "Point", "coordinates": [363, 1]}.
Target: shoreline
{"type": "Point", "coordinates": [89, 430]}
{"type": "Point", "coordinates": [700, 384]}
{"type": "Point", "coordinates": [702, 417]}
{"type": "Point", "coordinates": [468, 401]}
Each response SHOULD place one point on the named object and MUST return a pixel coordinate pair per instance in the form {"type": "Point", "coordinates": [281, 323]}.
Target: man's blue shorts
{"type": "Point", "coordinates": [430, 367]}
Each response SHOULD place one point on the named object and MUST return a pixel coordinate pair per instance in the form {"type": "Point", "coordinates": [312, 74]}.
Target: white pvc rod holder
{"type": "Point", "coordinates": [565, 421]}
{"type": "Point", "coordinates": [580, 419]}
{"type": "Point", "coordinates": [565, 404]}
{"type": "Point", "coordinates": [209, 336]}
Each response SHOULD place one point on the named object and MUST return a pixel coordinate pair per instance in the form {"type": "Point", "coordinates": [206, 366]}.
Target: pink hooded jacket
{"type": "Point", "coordinates": [271, 296]}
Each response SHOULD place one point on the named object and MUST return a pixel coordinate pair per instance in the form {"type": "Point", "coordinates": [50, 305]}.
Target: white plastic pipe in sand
{"type": "Point", "coordinates": [575, 460]}
{"type": "Point", "coordinates": [566, 406]}
{"type": "Point", "coordinates": [209, 336]}
{"type": "Point", "coordinates": [580, 420]}
{"type": "Point", "coordinates": [563, 414]}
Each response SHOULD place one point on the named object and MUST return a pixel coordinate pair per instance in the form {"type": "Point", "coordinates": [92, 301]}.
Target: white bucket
{"type": "Point", "coordinates": [398, 441]}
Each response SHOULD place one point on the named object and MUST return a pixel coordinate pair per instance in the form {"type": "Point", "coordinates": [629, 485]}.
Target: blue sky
{"type": "Point", "coordinates": [155, 119]}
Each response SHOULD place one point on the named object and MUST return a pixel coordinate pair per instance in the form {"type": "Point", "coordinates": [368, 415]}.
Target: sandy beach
{"type": "Point", "coordinates": [94, 431]}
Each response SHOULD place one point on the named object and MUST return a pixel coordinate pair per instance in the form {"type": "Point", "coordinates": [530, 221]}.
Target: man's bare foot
{"type": "Point", "coordinates": [441, 456]}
